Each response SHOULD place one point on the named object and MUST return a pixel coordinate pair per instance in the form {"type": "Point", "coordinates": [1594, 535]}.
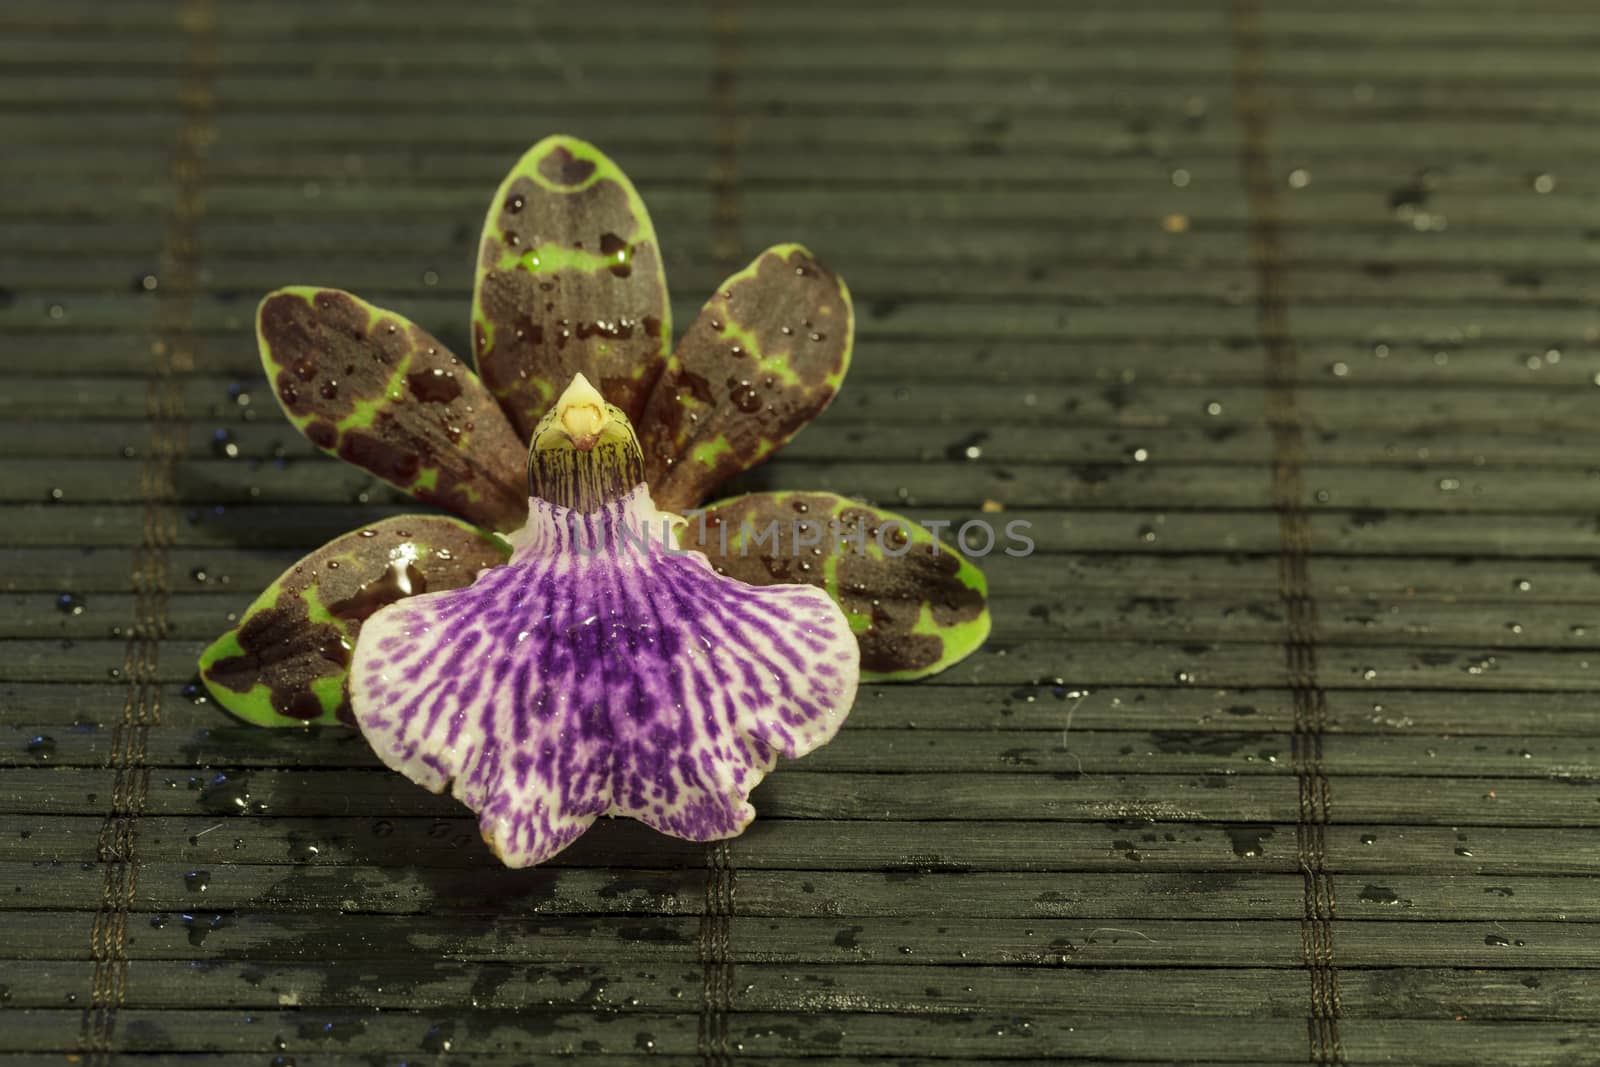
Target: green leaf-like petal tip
{"type": "Point", "coordinates": [287, 661]}
{"type": "Point", "coordinates": [378, 391]}
{"type": "Point", "coordinates": [764, 357]}
{"type": "Point", "coordinates": [569, 281]}
{"type": "Point", "coordinates": [916, 605]}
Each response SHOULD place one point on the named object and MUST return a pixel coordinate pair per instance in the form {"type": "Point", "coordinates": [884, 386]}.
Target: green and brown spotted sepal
{"type": "Point", "coordinates": [378, 391]}
{"type": "Point", "coordinates": [569, 281]}
{"type": "Point", "coordinates": [287, 661]}
{"type": "Point", "coordinates": [915, 604]}
{"type": "Point", "coordinates": [764, 357]}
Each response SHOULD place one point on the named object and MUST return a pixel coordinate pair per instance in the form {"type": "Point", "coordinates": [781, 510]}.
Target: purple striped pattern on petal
{"type": "Point", "coordinates": [595, 675]}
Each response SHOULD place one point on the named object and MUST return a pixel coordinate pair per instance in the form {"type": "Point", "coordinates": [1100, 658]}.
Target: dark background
{"type": "Point", "coordinates": [1277, 321]}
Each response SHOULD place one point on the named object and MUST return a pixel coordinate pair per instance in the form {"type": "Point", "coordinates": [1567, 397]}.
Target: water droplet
{"type": "Point", "coordinates": [1299, 178]}
{"type": "Point", "coordinates": [1183, 678]}
{"type": "Point", "coordinates": [223, 445]}
{"type": "Point", "coordinates": [41, 747]}
{"type": "Point", "coordinates": [439, 1038]}
{"type": "Point", "coordinates": [1521, 585]}
{"type": "Point", "coordinates": [1180, 178]}
{"type": "Point", "coordinates": [56, 311]}
{"type": "Point", "coordinates": [222, 794]}
{"type": "Point", "coordinates": [1449, 485]}
{"type": "Point", "coordinates": [430, 277]}
{"type": "Point", "coordinates": [1340, 369]}
{"type": "Point", "coordinates": [969, 447]}
{"type": "Point", "coordinates": [200, 927]}
{"type": "Point", "coordinates": [1543, 183]}
{"type": "Point", "coordinates": [199, 575]}
{"type": "Point", "coordinates": [301, 848]}
{"type": "Point", "coordinates": [744, 396]}
{"type": "Point", "coordinates": [195, 691]}
{"type": "Point", "coordinates": [1213, 408]}
{"type": "Point", "coordinates": [70, 604]}
{"type": "Point", "coordinates": [1138, 455]}
{"type": "Point", "coordinates": [197, 881]}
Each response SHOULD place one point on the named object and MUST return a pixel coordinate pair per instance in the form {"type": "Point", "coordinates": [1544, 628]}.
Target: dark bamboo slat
{"type": "Point", "coordinates": [979, 796]}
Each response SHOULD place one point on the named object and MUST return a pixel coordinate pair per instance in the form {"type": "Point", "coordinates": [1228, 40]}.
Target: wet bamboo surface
{"type": "Point", "coordinates": [1277, 322]}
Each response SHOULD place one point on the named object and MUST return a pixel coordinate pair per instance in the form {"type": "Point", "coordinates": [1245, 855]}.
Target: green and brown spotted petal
{"type": "Point", "coordinates": [569, 281]}
{"type": "Point", "coordinates": [286, 662]}
{"type": "Point", "coordinates": [915, 604]}
{"type": "Point", "coordinates": [763, 358]}
{"type": "Point", "coordinates": [366, 385]}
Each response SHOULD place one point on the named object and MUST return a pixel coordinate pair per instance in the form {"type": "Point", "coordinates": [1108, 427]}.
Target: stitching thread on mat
{"type": "Point", "coordinates": [716, 957]}
{"type": "Point", "coordinates": [172, 356]}
{"type": "Point", "coordinates": [1294, 535]}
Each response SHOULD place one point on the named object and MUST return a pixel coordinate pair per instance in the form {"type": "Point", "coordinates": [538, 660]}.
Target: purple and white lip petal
{"type": "Point", "coordinates": [602, 672]}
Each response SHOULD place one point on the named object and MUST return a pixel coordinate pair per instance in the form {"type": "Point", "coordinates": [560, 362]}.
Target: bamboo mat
{"type": "Point", "coordinates": [1278, 322]}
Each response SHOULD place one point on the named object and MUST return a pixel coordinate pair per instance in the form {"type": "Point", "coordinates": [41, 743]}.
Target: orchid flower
{"type": "Point", "coordinates": [527, 648]}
